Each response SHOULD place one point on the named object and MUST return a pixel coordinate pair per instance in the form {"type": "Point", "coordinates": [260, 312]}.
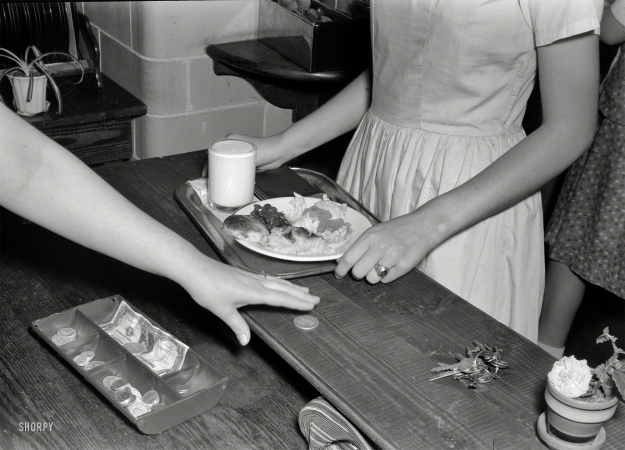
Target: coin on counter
{"type": "Point", "coordinates": [106, 382]}
{"type": "Point", "coordinates": [118, 384]}
{"type": "Point", "coordinates": [134, 347]}
{"type": "Point", "coordinates": [81, 360]}
{"type": "Point", "coordinates": [306, 322]}
{"type": "Point", "coordinates": [151, 397]}
{"type": "Point", "coordinates": [93, 364]}
{"type": "Point", "coordinates": [124, 397]}
{"type": "Point", "coordinates": [183, 388]}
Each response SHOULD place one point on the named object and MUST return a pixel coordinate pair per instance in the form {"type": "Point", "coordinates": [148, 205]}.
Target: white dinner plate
{"type": "Point", "coordinates": [358, 222]}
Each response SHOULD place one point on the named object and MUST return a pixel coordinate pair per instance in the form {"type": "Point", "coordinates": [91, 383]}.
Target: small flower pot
{"type": "Point", "coordinates": [37, 103]}
{"type": "Point", "coordinates": [576, 420]}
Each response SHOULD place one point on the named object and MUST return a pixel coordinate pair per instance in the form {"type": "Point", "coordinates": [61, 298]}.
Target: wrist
{"type": "Point", "coordinates": [289, 144]}
{"type": "Point", "coordinates": [184, 264]}
{"type": "Point", "coordinates": [440, 218]}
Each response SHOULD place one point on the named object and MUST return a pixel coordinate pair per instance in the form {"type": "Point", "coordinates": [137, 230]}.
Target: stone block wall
{"type": "Point", "coordinates": [157, 51]}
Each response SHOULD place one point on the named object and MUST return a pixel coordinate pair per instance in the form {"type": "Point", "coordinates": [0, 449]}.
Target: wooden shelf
{"type": "Point", "coordinates": [95, 125]}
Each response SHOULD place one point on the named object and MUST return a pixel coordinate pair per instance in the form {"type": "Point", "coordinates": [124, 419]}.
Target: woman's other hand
{"type": "Point", "coordinates": [269, 152]}
{"type": "Point", "coordinates": [399, 245]}
{"type": "Point", "coordinates": [222, 289]}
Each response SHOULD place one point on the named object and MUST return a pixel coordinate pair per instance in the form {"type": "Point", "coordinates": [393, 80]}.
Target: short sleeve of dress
{"type": "Point", "coordinates": [551, 20]}
{"type": "Point", "coordinates": [618, 10]}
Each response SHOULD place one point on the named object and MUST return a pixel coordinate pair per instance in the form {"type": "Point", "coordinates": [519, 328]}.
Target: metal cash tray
{"type": "Point", "coordinates": [206, 388]}
{"type": "Point", "coordinates": [239, 256]}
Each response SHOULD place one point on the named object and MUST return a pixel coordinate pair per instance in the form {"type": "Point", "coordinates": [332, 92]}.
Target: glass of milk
{"type": "Point", "coordinates": [231, 173]}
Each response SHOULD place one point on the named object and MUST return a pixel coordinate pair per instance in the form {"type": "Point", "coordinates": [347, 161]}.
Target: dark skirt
{"type": "Point", "coordinates": [587, 228]}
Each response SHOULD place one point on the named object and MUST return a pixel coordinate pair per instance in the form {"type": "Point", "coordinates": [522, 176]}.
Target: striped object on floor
{"type": "Point", "coordinates": [326, 429]}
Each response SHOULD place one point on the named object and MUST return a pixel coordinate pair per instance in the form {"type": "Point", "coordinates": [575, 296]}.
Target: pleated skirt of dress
{"type": "Point", "coordinates": [498, 264]}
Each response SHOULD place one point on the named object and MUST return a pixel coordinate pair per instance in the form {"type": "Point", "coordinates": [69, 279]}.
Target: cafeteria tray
{"type": "Point", "coordinates": [280, 182]}
{"type": "Point", "coordinates": [192, 389]}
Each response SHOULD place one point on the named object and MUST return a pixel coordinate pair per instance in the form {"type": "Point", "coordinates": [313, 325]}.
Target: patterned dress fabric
{"type": "Point", "coordinates": [587, 228]}
{"type": "Point", "coordinates": [451, 81]}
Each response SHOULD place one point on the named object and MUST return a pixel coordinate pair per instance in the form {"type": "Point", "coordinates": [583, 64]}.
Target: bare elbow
{"type": "Point", "coordinates": [576, 138]}
{"type": "Point", "coordinates": [612, 38]}
{"type": "Point", "coordinates": [586, 136]}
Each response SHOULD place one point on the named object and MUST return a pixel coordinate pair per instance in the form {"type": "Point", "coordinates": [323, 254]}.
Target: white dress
{"type": "Point", "coordinates": [451, 79]}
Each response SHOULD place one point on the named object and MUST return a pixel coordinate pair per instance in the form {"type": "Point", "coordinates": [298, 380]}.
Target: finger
{"type": "Point", "coordinates": [291, 292]}
{"type": "Point", "coordinates": [277, 292]}
{"type": "Point", "coordinates": [365, 265]}
{"type": "Point", "coordinates": [235, 321]}
{"type": "Point", "coordinates": [284, 300]}
{"type": "Point", "coordinates": [265, 289]}
{"type": "Point", "coordinates": [373, 277]}
{"type": "Point", "coordinates": [279, 284]}
{"type": "Point", "coordinates": [395, 273]}
{"type": "Point", "coordinates": [351, 257]}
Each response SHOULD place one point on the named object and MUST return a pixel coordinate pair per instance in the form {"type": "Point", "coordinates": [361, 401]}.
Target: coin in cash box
{"type": "Point", "coordinates": [151, 397]}
{"type": "Point", "coordinates": [89, 355]}
{"type": "Point", "coordinates": [66, 332]}
{"type": "Point", "coordinates": [134, 347]}
{"type": "Point", "coordinates": [106, 382]}
{"type": "Point", "coordinates": [81, 360]}
{"type": "Point", "coordinates": [63, 336]}
{"type": "Point", "coordinates": [306, 322]}
{"type": "Point", "coordinates": [119, 384]}
{"type": "Point", "coordinates": [157, 407]}
{"type": "Point", "coordinates": [183, 388]}
{"type": "Point", "coordinates": [124, 397]}
{"type": "Point", "coordinates": [138, 408]}
{"type": "Point", "coordinates": [135, 392]}
{"type": "Point", "coordinates": [93, 364]}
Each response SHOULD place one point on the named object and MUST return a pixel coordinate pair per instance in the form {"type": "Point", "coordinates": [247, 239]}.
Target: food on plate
{"type": "Point", "coordinates": [325, 218]}
{"type": "Point", "coordinates": [247, 228]}
{"type": "Point", "coordinates": [270, 216]}
{"type": "Point", "coordinates": [320, 229]}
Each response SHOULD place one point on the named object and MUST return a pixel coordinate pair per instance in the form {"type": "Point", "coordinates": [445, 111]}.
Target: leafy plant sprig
{"type": "Point", "coordinates": [609, 374]}
{"type": "Point", "coordinates": [36, 67]}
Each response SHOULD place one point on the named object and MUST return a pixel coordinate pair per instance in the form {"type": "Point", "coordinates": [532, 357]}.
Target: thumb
{"type": "Point", "coordinates": [240, 327]}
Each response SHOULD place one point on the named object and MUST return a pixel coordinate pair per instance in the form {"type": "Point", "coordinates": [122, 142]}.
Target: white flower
{"type": "Point", "coordinates": [570, 377]}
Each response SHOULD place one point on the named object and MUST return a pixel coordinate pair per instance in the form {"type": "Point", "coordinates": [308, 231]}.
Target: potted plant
{"type": "Point", "coordinates": [581, 399]}
{"type": "Point", "coordinates": [29, 81]}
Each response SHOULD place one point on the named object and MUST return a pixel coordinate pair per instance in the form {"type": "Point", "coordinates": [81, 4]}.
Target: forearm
{"type": "Point", "coordinates": [569, 87]}
{"type": "Point", "coordinates": [45, 183]}
{"type": "Point", "coordinates": [339, 115]}
{"type": "Point", "coordinates": [519, 173]}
